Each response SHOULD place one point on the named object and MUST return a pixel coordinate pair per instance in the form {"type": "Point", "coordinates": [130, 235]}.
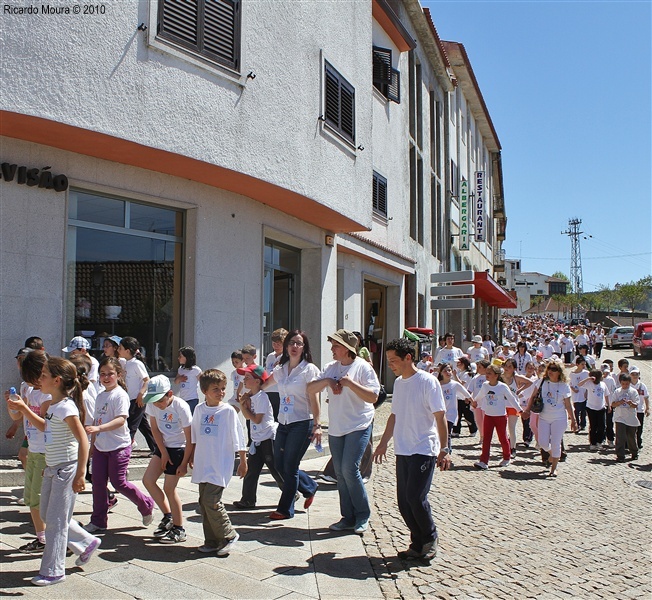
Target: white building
{"type": "Point", "coordinates": [219, 170]}
{"type": "Point", "coordinates": [530, 287]}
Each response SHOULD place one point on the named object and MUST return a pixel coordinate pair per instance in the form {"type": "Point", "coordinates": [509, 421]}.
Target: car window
{"type": "Point", "coordinates": [647, 335]}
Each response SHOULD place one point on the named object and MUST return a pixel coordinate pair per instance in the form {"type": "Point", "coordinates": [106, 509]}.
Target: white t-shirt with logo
{"type": "Point", "coordinates": [476, 354]}
{"type": "Point", "coordinates": [596, 395]}
{"type": "Point", "coordinates": [448, 356]}
{"type": "Point", "coordinates": [625, 413]}
{"type": "Point", "coordinates": [217, 435]}
{"type": "Point", "coordinates": [641, 389]}
{"type": "Point", "coordinates": [236, 380]}
{"type": "Point", "coordinates": [189, 389]}
{"type": "Point", "coordinates": [414, 404]}
{"type": "Point", "coordinates": [171, 421]}
{"type": "Point", "coordinates": [452, 391]}
{"type": "Point", "coordinates": [553, 394]}
{"type": "Point", "coordinates": [35, 399]}
{"type": "Point", "coordinates": [347, 412]}
{"type": "Point", "coordinates": [295, 403]}
{"type": "Point", "coordinates": [266, 429]}
{"type": "Point", "coordinates": [574, 380]}
{"type": "Point", "coordinates": [494, 399]}
{"type": "Point", "coordinates": [108, 406]}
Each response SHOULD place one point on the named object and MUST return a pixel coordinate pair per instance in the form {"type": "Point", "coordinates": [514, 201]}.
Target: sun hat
{"type": "Point", "coordinates": [347, 338]}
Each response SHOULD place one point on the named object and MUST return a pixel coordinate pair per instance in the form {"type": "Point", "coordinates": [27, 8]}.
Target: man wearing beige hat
{"type": "Point", "coordinates": [477, 351]}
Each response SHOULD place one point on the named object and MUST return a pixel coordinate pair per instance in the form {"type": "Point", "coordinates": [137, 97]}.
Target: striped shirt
{"type": "Point", "coordinates": [60, 444]}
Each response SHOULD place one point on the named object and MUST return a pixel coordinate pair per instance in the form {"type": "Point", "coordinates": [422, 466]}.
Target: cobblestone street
{"type": "Point", "coordinates": [514, 533]}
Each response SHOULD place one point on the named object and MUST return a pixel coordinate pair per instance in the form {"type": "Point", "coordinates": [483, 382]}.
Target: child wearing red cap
{"type": "Point", "coordinates": [257, 408]}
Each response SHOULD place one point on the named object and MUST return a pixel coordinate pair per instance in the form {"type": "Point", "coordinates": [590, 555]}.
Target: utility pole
{"type": "Point", "coordinates": [576, 279]}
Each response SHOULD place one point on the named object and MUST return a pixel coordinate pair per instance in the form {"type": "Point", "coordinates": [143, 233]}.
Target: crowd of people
{"type": "Point", "coordinates": [81, 415]}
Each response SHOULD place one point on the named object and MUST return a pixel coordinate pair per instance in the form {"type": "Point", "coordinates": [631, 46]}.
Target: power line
{"type": "Point", "coordinates": [586, 257]}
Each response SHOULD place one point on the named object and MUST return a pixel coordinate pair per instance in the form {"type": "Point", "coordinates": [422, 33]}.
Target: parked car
{"type": "Point", "coordinates": [619, 337]}
{"type": "Point", "coordinates": [642, 340]}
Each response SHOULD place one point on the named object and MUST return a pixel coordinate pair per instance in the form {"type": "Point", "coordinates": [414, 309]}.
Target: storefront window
{"type": "Point", "coordinates": [124, 274]}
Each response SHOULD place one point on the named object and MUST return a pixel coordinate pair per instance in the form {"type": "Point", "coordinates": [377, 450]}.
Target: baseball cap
{"type": "Point", "coordinates": [116, 339]}
{"type": "Point", "coordinates": [346, 338]}
{"type": "Point", "coordinates": [23, 352]}
{"type": "Point", "coordinates": [77, 343]}
{"type": "Point", "coordinates": [477, 339]}
{"type": "Point", "coordinates": [258, 371]}
{"type": "Point", "coordinates": [634, 370]}
{"type": "Point", "coordinates": [604, 367]}
{"type": "Point", "coordinates": [157, 388]}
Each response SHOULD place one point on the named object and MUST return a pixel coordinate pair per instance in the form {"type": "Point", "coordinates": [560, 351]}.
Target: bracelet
{"type": "Point", "coordinates": [317, 426]}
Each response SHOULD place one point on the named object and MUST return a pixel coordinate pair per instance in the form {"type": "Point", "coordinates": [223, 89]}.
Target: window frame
{"type": "Point", "coordinates": [379, 182]}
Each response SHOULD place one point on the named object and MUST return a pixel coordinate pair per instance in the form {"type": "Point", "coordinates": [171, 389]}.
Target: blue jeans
{"type": "Point", "coordinates": [347, 451]}
{"type": "Point", "coordinates": [292, 441]}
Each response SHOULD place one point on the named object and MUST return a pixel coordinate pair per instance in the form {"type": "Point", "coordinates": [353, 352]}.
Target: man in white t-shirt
{"type": "Point", "coordinates": [477, 351]}
{"type": "Point", "coordinates": [448, 354]}
{"type": "Point", "coordinates": [418, 425]}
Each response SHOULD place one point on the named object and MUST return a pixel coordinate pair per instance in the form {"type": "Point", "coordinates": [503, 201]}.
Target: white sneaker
{"type": "Point", "coordinates": [224, 550]}
{"type": "Point", "coordinates": [134, 445]}
{"type": "Point", "coordinates": [147, 519]}
{"type": "Point", "coordinates": [481, 465]}
{"type": "Point", "coordinates": [42, 580]}
{"type": "Point", "coordinates": [505, 463]}
{"type": "Point", "coordinates": [92, 528]}
{"type": "Point", "coordinates": [21, 501]}
{"type": "Point", "coordinates": [85, 556]}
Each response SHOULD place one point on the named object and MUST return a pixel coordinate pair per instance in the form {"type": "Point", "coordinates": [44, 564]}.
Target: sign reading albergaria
{"type": "Point", "coordinates": [465, 241]}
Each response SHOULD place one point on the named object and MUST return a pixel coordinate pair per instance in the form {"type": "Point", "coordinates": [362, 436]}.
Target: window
{"type": "Point", "coordinates": [124, 274]}
{"type": "Point", "coordinates": [380, 194]}
{"type": "Point", "coordinates": [386, 79]}
{"type": "Point", "coordinates": [210, 28]}
{"type": "Point", "coordinates": [339, 102]}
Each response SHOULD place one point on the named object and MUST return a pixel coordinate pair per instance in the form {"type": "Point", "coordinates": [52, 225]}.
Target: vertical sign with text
{"type": "Point", "coordinates": [479, 207]}
{"type": "Point", "coordinates": [464, 216]}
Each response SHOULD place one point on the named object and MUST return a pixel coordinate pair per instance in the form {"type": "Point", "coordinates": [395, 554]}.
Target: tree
{"type": "Point", "coordinates": [560, 275]}
{"type": "Point", "coordinates": [635, 293]}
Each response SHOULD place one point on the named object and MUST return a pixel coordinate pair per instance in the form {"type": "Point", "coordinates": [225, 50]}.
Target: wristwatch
{"type": "Point", "coordinates": [447, 450]}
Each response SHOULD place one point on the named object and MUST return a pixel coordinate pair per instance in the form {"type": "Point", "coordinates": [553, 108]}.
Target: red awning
{"type": "Point", "coordinates": [493, 294]}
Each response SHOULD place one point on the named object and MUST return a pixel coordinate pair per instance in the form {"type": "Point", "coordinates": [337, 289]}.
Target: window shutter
{"type": "Point", "coordinates": [210, 28]}
{"type": "Point", "coordinates": [380, 194]}
{"type": "Point", "coordinates": [179, 21]}
{"type": "Point", "coordinates": [332, 99]}
{"type": "Point", "coordinates": [220, 30]}
{"type": "Point", "coordinates": [382, 65]}
{"type": "Point", "coordinates": [394, 88]}
{"type": "Point", "coordinates": [347, 103]}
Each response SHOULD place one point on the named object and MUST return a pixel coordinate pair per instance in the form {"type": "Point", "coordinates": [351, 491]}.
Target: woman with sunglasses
{"type": "Point", "coordinates": [298, 421]}
{"type": "Point", "coordinates": [556, 413]}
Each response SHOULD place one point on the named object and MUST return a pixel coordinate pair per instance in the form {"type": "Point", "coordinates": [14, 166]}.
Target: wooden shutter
{"type": "Point", "coordinates": [382, 65]}
{"type": "Point", "coordinates": [347, 104]}
{"type": "Point", "coordinates": [332, 98]}
{"type": "Point", "coordinates": [380, 194]}
{"type": "Point", "coordinates": [210, 28]}
{"type": "Point", "coordinates": [339, 110]}
{"type": "Point", "coordinates": [394, 88]}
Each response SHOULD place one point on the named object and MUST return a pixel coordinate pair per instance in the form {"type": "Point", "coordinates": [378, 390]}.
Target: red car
{"type": "Point", "coordinates": [642, 340]}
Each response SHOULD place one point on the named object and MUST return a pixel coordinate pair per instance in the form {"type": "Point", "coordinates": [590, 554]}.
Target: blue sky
{"type": "Point", "coordinates": [568, 87]}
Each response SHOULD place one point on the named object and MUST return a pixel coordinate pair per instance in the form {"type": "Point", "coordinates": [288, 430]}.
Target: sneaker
{"type": "Point", "coordinates": [481, 465]}
{"type": "Point", "coordinates": [327, 478]}
{"type": "Point", "coordinates": [92, 528]}
{"type": "Point", "coordinates": [307, 503]}
{"type": "Point", "coordinates": [206, 549]}
{"type": "Point", "coordinates": [513, 452]}
{"type": "Point", "coordinates": [134, 445]}
{"type": "Point", "coordinates": [33, 546]}
{"type": "Point", "coordinates": [21, 501]}
{"type": "Point", "coordinates": [86, 555]}
{"type": "Point", "coordinates": [43, 580]}
{"type": "Point", "coordinates": [429, 550]}
{"type": "Point", "coordinates": [163, 527]}
{"type": "Point", "coordinates": [593, 447]}
{"type": "Point", "coordinates": [175, 535]}
{"type": "Point", "coordinates": [224, 550]}
{"type": "Point", "coordinates": [361, 527]}
{"type": "Point", "coordinates": [147, 519]}
{"type": "Point", "coordinates": [505, 463]}
{"type": "Point", "coordinates": [243, 505]}
{"type": "Point", "coordinates": [341, 525]}
{"type": "Point", "coordinates": [113, 500]}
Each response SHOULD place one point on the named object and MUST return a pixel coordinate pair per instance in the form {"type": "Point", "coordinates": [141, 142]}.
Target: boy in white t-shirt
{"type": "Point", "coordinates": [216, 436]}
{"type": "Point", "coordinates": [170, 419]}
{"type": "Point", "coordinates": [237, 362]}
{"type": "Point", "coordinates": [257, 408]}
{"type": "Point", "coordinates": [624, 403]}
{"type": "Point", "coordinates": [643, 409]}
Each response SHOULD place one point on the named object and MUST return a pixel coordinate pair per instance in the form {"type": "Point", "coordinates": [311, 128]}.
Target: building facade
{"type": "Point", "coordinates": [183, 174]}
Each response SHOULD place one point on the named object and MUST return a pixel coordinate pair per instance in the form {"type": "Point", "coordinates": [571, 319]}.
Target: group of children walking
{"type": "Point", "coordinates": [79, 407]}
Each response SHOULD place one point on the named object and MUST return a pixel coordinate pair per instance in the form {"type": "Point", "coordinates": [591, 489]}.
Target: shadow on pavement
{"type": "Point", "coordinates": [328, 563]}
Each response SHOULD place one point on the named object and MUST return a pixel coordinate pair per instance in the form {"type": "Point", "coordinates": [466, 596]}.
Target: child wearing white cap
{"type": "Point", "coordinates": [80, 345]}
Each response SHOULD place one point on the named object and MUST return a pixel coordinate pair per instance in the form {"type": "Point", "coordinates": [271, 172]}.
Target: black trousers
{"type": "Point", "coordinates": [464, 411]}
{"type": "Point", "coordinates": [639, 430]}
{"type": "Point", "coordinates": [609, 429]}
{"type": "Point", "coordinates": [597, 425]}
{"type": "Point", "coordinates": [137, 420]}
{"type": "Point", "coordinates": [263, 457]}
{"type": "Point", "coordinates": [413, 479]}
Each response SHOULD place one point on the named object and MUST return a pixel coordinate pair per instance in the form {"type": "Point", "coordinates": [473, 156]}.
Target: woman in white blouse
{"type": "Point", "coordinates": [298, 420]}
{"type": "Point", "coordinates": [352, 390]}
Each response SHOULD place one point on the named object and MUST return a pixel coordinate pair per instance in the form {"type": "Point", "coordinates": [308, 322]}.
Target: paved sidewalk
{"type": "Point", "coordinates": [293, 559]}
